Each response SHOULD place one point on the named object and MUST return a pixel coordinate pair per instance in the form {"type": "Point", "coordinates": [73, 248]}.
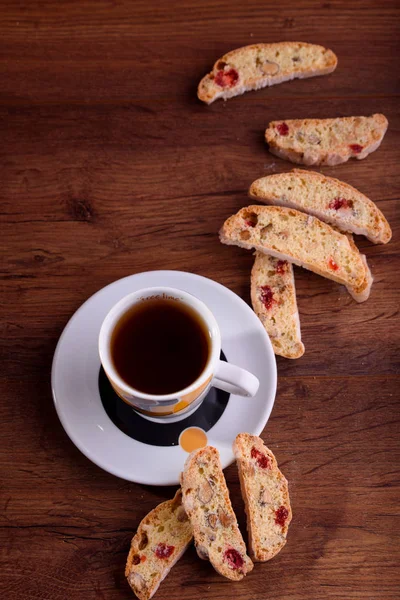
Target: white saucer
{"type": "Point", "coordinates": [75, 382]}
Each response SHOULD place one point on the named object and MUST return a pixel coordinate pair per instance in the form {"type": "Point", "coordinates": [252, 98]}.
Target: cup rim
{"type": "Point", "coordinates": [122, 306]}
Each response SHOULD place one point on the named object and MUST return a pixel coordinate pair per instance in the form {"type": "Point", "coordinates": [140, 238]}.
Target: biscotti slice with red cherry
{"type": "Point", "coordinates": [327, 198]}
{"type": "Point", "coordinates": [326, 141]}
{"type": "Point", "coordinates": [161, 539]}
{"type": "Point", "coordinates": [261, 65]}
{"type": "Point", "coordinates": [206, 501]}
{"type": "Point", "coordinates": [266, 496]}
{"type": "Point", "coordinates": [273, 296]}
{"type": "Point", "coordinates": [291, 235]}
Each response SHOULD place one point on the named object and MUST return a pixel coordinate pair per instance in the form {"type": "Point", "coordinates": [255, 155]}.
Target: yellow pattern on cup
{"type": "Point", "coordinates": [180, 406]}
{"type": "Point", "coordinates": [189, 398]}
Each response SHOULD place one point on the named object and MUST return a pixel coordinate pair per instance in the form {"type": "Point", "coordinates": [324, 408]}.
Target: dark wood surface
{"type": "Point", "coordinates": [110, 166]}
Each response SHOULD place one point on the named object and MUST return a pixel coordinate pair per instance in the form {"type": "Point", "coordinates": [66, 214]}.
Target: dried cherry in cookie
{"type": "Point", "coordinates": [164, 551]}
{"type": "Point", "coordinates": [333, 265]}
{"type": "Point", "coordinates": [267, 296]}
{"type": "Point", "coordinates": [356, 148]}
{"type": "Point", "coordinates": [227, 78]}
{"type": "Point", "coordinates": [233, 558]}
{"type": "Point", "coordinates": [281, 515]}
{"type": "Point", "coordinates": [261, 459]}
{"type": "Point", "coordinates": [282, 128]}
{"type": "Point", "coordinates": [338, 203]}
{"type": "Point", "coordinates": [281, 266]}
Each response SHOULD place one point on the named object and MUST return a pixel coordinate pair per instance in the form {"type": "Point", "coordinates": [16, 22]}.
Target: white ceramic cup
{"type": "Point", "coordinates": [179, 404]}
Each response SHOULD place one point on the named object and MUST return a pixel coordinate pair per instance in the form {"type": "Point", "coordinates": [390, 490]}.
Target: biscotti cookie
{"type": "Point", "coordinates": [161, 539]}
{"type": "Point", "coordinates": [329, 199]}
{"type": "Point", "coordinates": [326, 141]}
{"type": "Point", "coordinates": [261, 65]}
{"type": "Point", "coordinates": [266, 496]}
{"type": "Point", "coordinates": [273, 296]}
{"type": "Point", "coordinates": [288, 234]}
{"type": "Point", "coordinates": [207, 503]}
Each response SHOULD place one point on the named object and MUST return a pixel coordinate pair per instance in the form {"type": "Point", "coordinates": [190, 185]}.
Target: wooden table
{"type": "Point", "coordinates": [111, 166]}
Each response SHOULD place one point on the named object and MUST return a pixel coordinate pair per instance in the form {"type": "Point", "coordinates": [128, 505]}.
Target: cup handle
{"type": "Point", "coordinates": [235, 380]}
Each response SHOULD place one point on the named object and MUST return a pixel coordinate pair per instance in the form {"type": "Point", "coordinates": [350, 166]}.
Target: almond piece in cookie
{"type": "Point", "coordinates": [266, 496]}
{"type": "Point", "coordinates": [261, 65]}
{"type": "Point", "coordinates": [216, 532]}
{"type": "Point", "coordinates": [326, 141]}
{"type": "Point", "coordinates": [161, 539]}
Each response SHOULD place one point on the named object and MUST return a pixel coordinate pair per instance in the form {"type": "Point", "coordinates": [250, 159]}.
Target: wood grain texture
{"type": "Point", "coordinates": [110, 166]}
